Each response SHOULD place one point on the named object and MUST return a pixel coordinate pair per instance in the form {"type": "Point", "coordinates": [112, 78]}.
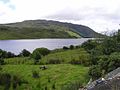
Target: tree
{"type": "Point", "coordinates": [10, 55]}
{"type": "Point", "coordinates": [3, 53]}
{"type": "Point", "coordinates": [71, 47]}
{"type": "Point", "coordinates": [36, 55]}
{"type": "Point", "coordinates": [42, 51]}
{"type": "Point", "coordinates": [90, 44]}
{"type": "Point", "coordinates": [65, 48]}
{"type": "Point", "coordinates": [25, 53]}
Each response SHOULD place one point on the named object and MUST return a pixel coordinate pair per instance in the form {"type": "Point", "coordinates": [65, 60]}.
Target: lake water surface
{"type": "Point", "coordinates": [16, 46]}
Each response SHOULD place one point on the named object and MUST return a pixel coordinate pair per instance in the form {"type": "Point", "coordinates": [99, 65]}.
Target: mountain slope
{"type": "Point", "coordinates": [35, 29]}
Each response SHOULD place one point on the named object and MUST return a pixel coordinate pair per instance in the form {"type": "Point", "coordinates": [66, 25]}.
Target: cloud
{"type": "Point", "coordinates": [97, 14]}
{"type": "Point", "coordinates": [5, 1]}
{"type": "Point", "coordinates": [8, 4]}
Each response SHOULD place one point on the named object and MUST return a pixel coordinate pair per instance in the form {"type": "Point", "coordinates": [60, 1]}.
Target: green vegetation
{"type": "Point", "coordinates": [71, 33]}
{"type": "Point", "coordinates": [69, 68]}
{"type": "Point", "coordinates": [76, 56]}
{"type": "Point", "coordinates": [60, 75]}
{"type": "Point", "coordinates": [55, 70]}
{"type": "Point", "coordinates": [25, 53]}
{"type": "Point", "coordinates": [19, 61]}
{"type": "Point", "coordinates": [37, 29]}
{"type": "Point", "coordinates": [105, 55]}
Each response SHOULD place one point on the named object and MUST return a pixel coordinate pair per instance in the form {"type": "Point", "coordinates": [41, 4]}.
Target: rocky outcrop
{"type": "Point", "coordinates": [110, 82]}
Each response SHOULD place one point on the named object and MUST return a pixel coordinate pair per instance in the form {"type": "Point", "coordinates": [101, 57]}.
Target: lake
{"type": "Point", "coordinates": [16, 46]}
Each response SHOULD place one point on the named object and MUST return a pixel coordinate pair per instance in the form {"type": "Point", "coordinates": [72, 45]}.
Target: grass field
{"type": "Point", "coordinates": [62, 57]}
{"type": "Point", "coordinates": [19, 61]}
{"type": "Point", "coordinates": [67, 56]}
{"type": "Point", "coordinates": [60, 74]}
{"type": "Point", "coordinates": [56, 75]}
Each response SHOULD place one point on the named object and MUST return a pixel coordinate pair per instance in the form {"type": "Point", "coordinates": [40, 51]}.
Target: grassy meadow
{"type": "Point", "coordinates": [61, 73]}
{"type": "Point", "coordinates": [58, 76]}
{"type": "Point", "coordinates": [78, 55]}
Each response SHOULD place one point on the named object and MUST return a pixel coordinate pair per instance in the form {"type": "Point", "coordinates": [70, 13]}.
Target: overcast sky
{"type": "Point", "coordinates": [100, 15]}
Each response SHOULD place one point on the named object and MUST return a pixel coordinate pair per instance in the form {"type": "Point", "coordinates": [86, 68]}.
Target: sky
{"type": "Point", "coordinates": [100, 15]}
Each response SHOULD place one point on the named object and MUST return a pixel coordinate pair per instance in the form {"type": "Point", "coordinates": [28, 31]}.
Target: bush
{"type": "Point", "coordinates": [54, 61]}
{"type": "Point", "coordinates": [65, 48]}
{"type": "Point", "coordinates": [95, 72]}
{"type": "Point", "coordinates": [2, 61]}
{"type": "Point", "coordinates": [42, 51]}
{"type": "Point", "coordinates": [77, 47]}
{"type": "Point", "coordinates": [0, 68]}
{"type": "Point", "coordinates": [53, 86]}
{"type": "Point", "coordinates": [10, 55]}
{"type": "Point", "coordinates": [5, 54]}
{"type": "Point", "coordinates": [36, 55]}
{"type": "Point", "coordinates": [35, 74]}
{"type": "Point", "coordinates": [74, 61]}
{"type": "Point", "coordinates": [114, 61]}
{"type": "Point", "coordinates": [25, 53]}
{"type": "Point", "coordinates": [71, 47]}
{"type": "Point", "coordinates": [17, 81]}
{"type": "Point", "coordinates": [7, 80]}
{"type": "Point", "coordinates": [89, 45]}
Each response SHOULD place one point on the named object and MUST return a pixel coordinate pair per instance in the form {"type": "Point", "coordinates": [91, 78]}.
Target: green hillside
{"type": "Point", "coordinates": [36, 29]}
{"type": "Point", "coordinates": [64, 76]}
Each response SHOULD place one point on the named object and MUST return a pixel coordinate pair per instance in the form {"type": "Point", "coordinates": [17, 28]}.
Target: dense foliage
{"type": "Point", "coordinates": [25, 53]}
{"type": "Point", "coordinates": [5, 54]}
{"type": "Point", "coordinates": [38, 53]}
{"type": "Point", "coordinates": [10, 82]}
{"type": "Point", "coordinates": [105, 54]}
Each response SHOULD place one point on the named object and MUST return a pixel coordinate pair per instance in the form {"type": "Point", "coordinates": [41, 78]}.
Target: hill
{"type": "Point", "coordinates": [35, 29]}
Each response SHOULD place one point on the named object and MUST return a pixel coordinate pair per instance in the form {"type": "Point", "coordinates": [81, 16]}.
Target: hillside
{"type": "Point", "coordinates": [35, 29]}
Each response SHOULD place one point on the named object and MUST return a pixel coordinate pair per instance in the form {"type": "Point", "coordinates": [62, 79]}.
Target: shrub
{"type": "Point", "coordinates": [7, 80]}
{"type": "Point", "coordinates": [35, 74]}
{"type": "Point", "coordinates": [54, 61]}
{"type": "Point", "coordinates": [77, 47]}
{"type": "Point", "coordinates": [25, 53]}
{"type": "Point", "coordinates": [71, 47]}
{"type": "Point", "coordinates": [16, 81]}
{"type": "Point", "coordinates": [42, 51]}
{"type": "Point", "coordinates": [95, 72]}
{"type": "Point", "coordinates": [46, 88]}
{"type": "Point", "coordinates": [53, 86]}
{"type": "Point", "coordinates": [0, 68]}
{"type": "Point", "coordinates": [2, 61]}
{"type": "Point", "coordinates": [36, 55]}
{"type": "Point", "coordinates": [65, 48]}
{"type": "Point", "coordinates": [10, 55]}
{"type": "Point", "coordinates": [89, 45]}
{"type": "Point", "coordinates": [5, 54]}
{"type": "Point", "coordinates": [114, 61]}
{"type": "Point", "coordinates": [74, 61]}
